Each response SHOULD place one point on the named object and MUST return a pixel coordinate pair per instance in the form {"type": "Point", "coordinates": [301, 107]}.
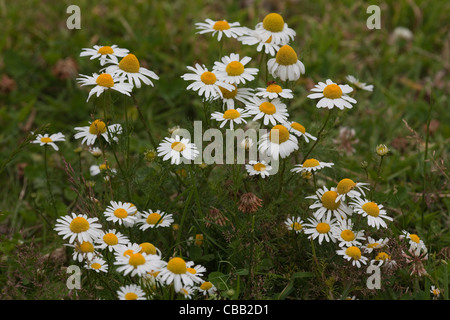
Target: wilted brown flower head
{"type": "Point", "coordinates": [65, 68]}
{"type": "Point", "coordinates": [216, 217]}
{"type": "Point", "coordinates": [416, 258]}
{"type": "Point", "coordinates": [346, 140]}
{"type": "Point", "coordinates": [249, 203]}
{"type": "Point", "coordinates": [7, 84]}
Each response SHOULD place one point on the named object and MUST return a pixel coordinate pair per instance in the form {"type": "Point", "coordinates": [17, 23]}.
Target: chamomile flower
{"type": "Point", "coordinates": [374, 212]}
{"type": "Point", "coordinates": [322, 229]}
{"type": "Point", "coordinates": [98, 128]}
{"type": "Point", "coordinates": [260, 168]}
{"type": "Point", "coordinates": [195, 271]}
{"type": "Point", "coordinates": [131, 292]}
{"type": "Point", "coordinates": [274, 27]}
{"type": "Point", "coordinates": [278, 142]}
{"type": "Point", "coordinates": [111, 240]}
{"type": "Point", "coordinates": [149, 248]}
{"type": "Point", "coordinates": [85, 250]}
{"type": "Point", "coordinates": [310, 165]}
{"type": "Point", "coordinates": [435, 291]}
{"type": "Point", "coordinates": [354, 255]}
{"type": "Point", "coordinates": [137, 263]}
{"type": "Point", "coordinates": [187, 292]}
{"type": "Point", "coordinates": [221, 28]}
{"type": "Point", "coordinates": [273, 91]}
{"type": "Point", "coordinates": [295, 224]}
{"type": "Point", "coordinates": [331, 95]}
{"type": "Point", "coordinates": [286, 65]}
{"type": "Point", "coordinates": [229, 97]}
{"type": "Point", "coordinates": [415, 243]}
{"type": "Point", "coordinates": [253, 37]}
{"type": "Point", "coordinates": [346, 188]}
{"type": "Point", "coordinates": [175, 271]}
{"type": "Point", "coordinates": [97, 264]}
{"type": "Point", "coordinates": [103, 82]}
{"type": "Point", "coordinates": [177, 149]}
{"type": "Point", "coordinates": [78, 227]}
{"type": "Point", "coordinates": [232, 69]}
{"type": "Point", "coordinates": [45, 139]}
{"type": "Point", "coordinates": [102, 168]}
{"type": "Point", "coordinates": [205, 82]}
{"type": "Point", "coordinates": [326, 204]}
{"type": "Point", "coordinates": [373, 244]}
{"type": "Point", "coordinates": [121, 213]}
{"type": "Point", "coordinates": [95, 151]}
{"type": "Point", "coordinates": [299, 130]}
{"type": "Point", "coordinates": [207, 288]}
{"type": "Point", "coordinates": [122, 251]}
{"type": "Point", "coordinates": [154, 219]}
{"type": "Point", "coordinates": [272, 112]}
{"type": "Point", "coordinates": [346, 235]}
{"type": "Point", "coordinates": [104, 53]}
{"type": "Point", "coordinates": [361, 85]}
{"type": "Point", "coordinates": [231, 116]}
{"type": "Point", "coordinates": [130, 68]}
{"type": "Point", "coordinates": [383, 258]}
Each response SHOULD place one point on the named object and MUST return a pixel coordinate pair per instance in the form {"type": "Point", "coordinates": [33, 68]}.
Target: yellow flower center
{"type": "Point", "coordinates": [347, 235]}
{"type": "Point", "coordinates": [154, 218]}
{"type": "Point", "coordinates": [329, 200]}
{"type": "Point", "coordinates": [235, 68]}
{"type": "Point", "coordinates": [311, 163]}
{"type": "Point", "coordinates": [191, 270]}
{"type": "Point", "coordinates": [148, 248]}
{"type": "Point", "coordinates": [323, 227]}
{"type": "Point", "coordinates": [128, 252]}
{"type": "Point", "coordinates": [178, 146]}
{"type": "Point", "coordinates": [105, 50]}
{"type": "Point", "coordinates": [103, 166]}
{"type": "Point", "coordinates": [345, 185]}
{"type": "Point", "coordinates": [177, 266]}
{"type": "Point", "coordinates": [371, 209]}
{"type": "Point", "coordinates": [267, 108]}
{"type": "Point", "coordinates": [96, 266]}
{"type": "Point", "coordinates": [221, 25]}
{"type": "Point", "coordinates": [280, 132]}
{"type": "Point", "coordinates": [286, 56]}
{"type": "Point", "coordinates": [227, 94]}
{"type": "Point", "coordinates": [353, 252]}
{"type": "Point", "coordinates": [105, 80]}
{"type": "Point", "coordinates": [129, 63]}
{"type": "Point", "coordinates": [121, 213]}
{"type": "Point", "coordinates": [332, 91]}
{"type": "Point", "coordinates": [97, 127]}
{"type": "Point", "coordinates": [259, 167]}
{"type": "Point", "coordinates": [373, 245]}
{"type": "Point", "coordinates": [206, 285]}
{"type": "Point", "coordinates": [297, 126]}
{"type": "Point", "coordinates": [136, 259]}
{"type": "Point", "coordinates": [131, 296]}
{"type": "Point", "coordinates": [296, 226]}
{"type": "Point", "coordinates": [86, 247]}
{"type": "Point", "coordinates": [46, 140]}
{"type": "Point", "coordinates": [231, 114]}
{"type": "Point", "coordinates": [274, 88]}
{"type": "Point", "coordinates": [79, 224]}
{"type": "Point", "coordinates": [382, 256]}
{"type": "Point", "coordinates": [273, 22]}
{"type": "Point", "coordinates": [208, 77]}
{"type": "Point", "coordinates": [415, 238]}
{"type": "Point", "coordinates": [110, 239]}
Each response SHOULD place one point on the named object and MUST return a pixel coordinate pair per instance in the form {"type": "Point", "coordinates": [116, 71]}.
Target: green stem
{"type": "Point", "coordinates": [377, 177]}
{"type": "Point", "coordinates": [194, 185]}
{"type": "Point", "coordinates": [141, 116]}
{"type": "Point", "coordinates": [319, 135]}
{"type": "Point", "coordinates": [280, 186]}
{"type": "Point", "coordinates": [425, 159]}
{"type": "Point", "coordinates": [52, 199]}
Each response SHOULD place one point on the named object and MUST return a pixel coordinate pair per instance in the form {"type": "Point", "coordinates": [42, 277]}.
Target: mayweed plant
{"type": "Point", "coordinates": [156, 226]}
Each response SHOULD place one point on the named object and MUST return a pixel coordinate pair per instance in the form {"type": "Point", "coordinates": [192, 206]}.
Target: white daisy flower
{"type": "Point", "coordinates": [95, 151]}
{"type": "Point", "coordinates": [187, 292]}
{"type": "Point", "coordinates": [154, 219]}
{"type": "Point", "coordinates": [286, 65]}
{"type": "Point", "coordinates": [103, 82]}
{"type": "Point", "coordinates": [435, 291]}
{"type": "Point", "coordinates": [299, 130]}
{"type": "Point", "coordinates": [321, 228]}
{"type": "Point", "coordinates": [78, 227]}
{"type": "Point", "coordinates": [98, 128]}
{"type": "Point", "coordinates": [253, 37]}
{"type": "Point", "coordinates": [137, 263]}
{"type": "Point", "coordinates": [273, 91]}
{"type": "Point", "coordinates": [373, 244]}
{"type": "Point", "coordinates": [175, 271]}
{"type": "Point", "coordinates": [361, 85]}
{"type": "Point", "coordinates": [274, 27]}
{"type": "Point", "coordinates": [273, 111]}
{"type": "Point", "coordinates": [111, 240]}
{"type": "Point", "coordinates": [205, 82]}
{"type": "Point", "coordinates": [260, 168]}
{"type": "Point", "coordinates": [332, 94]}
{"type": "Point", "coordinates": [310, 165]}
{"type": "Point", "coordinates": [345, 234]}
{"type": "Point", "coordinates": [374, 212]}
{"type": "Point", "coordinates": [121, 213]}
{"type": "Point", "coordinates": [195, 271]}
{"type": "Point", "coordinates": [49, 140]}
{"type": "Point", "coordinates": [95, 170]}
{"type": "Point", "coordinates": [354, 255]}
{"type": "Point", "coordinates": [149, 248]}
{"type": "Point", "coordinates": [232, 69]}
{"type": "Point", "coordinates": [97, 264]}
{"type": "Point", "coordinates": [122, 251]}
{"type": "Point", "coordinates": [177, 148]}
{"type": "Point", "coordinates": [207, 288]}
{"type": "Point", "coordinates": [85, 250]}
{"type": "Point", "coordinates": [104, 53]}
{"type": "Point", "coordinates": [232, 116]}
{"type": "Point", "coordinates": [382, 258]}
{"type": "Point", "coordinates": [415, 243]}
{"type": "Point", "coordinates": [346, 187]}
{"type": "Point", "coordinates": [229, 97]}
{"type": "Point", "coordinates": [278, 142]}
{"type": "Point", "coordinates": [326, 204]}
{"type": "Point", "coordinates": [220, 27]}
{"type": "Point", "coordinates": [131, 292]}
{"type": "Point", "coordinates": [130, 68]}
{"type": "Point", "coordinates": [295, 224]}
